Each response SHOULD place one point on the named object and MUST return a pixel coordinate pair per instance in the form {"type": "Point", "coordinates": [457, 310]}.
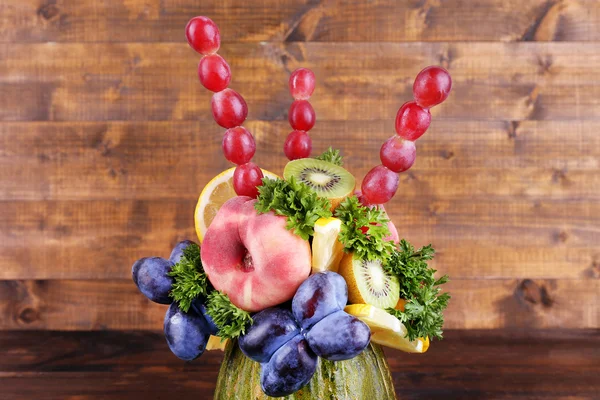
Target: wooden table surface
{"type": "Point", "coordinates": [106, 140]}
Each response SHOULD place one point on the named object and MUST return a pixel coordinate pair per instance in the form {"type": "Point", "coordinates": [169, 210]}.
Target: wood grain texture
{"type": "Point", "coordinates": [366, 81]}
{"type": "Point", "coordinates": [476, 304]}
{"type": "Point", "coordinates": [106, 140]}
{"type": "Point", "coordinates": [465, 365]}
{"type": "Point", "coordinates": [530, 160]}
{"type": "Point", "coordinates": [474, 239]}
{"type": "Point", "coordinates": [497, 200]}
{"type": "Point", "coordinates": [305, 20]}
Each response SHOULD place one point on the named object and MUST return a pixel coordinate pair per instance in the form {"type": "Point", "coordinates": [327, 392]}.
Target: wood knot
{"type": "Point", "coordinates": [48, 11]}
{"type": "Point", "coordinates": [560, 176]}
{"type": "Point", "coordinates": [447, 154]}
{"type": "Point", "coordinates": [594, 270]}
{"type": "Point", "coordinates": [446, 57]}
{"type": "Point", "coordinates": [545, 63]}
{"type": "Point", "coordinates": [43, 158]}
{"type": "Point", "coordinates": [530, 292]}
{"type": "Point", "coordinates": [432, 210]}
{"type": "Point", "coordinates": [28, 315]}
{"type": "Point", "coordinates": [62, 230]}
{"type": "Point", "coordinates": [410, 176]}
{"type": "Point", "coordinates": [512, 129]}
{"type": "Point", "coordinates": [561, 236]}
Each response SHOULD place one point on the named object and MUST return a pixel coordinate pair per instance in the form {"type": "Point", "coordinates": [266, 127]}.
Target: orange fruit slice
{"type": "Point", "coordinates": [215, 193]}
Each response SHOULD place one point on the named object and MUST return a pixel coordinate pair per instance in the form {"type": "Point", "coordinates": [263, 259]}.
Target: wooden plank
{"type": "Point", "coordinates": [476, 304]}
{"type": "Point", "coordinates": [466, 364]}
{"type": "Point", "coordinates": [154, 81]}
{"type": "Point", "coordinates": [88, 240]}
{"type": "Point", "coordinates": [536, 193]}
{"type": "Point", "coordinates": [474, 238]}
{"type": "Point", "coordinates": [500, 365]}
{"type": "Point", "coordinates": [357, 21]}
{"type": "Point", "coordinates": [535, 161]}
{"type": "Point", "coordinates": [76, 305]}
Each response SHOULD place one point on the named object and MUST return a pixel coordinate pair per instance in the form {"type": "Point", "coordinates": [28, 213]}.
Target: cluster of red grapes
{"type": "Point", "coordinates": [301, 115]}
{"type": "Point", "coordinates": [228, 107]}
{"type": "Point", "coordinates": [398, 153]}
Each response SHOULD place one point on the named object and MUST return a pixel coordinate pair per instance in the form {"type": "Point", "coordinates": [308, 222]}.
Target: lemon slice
{"type": "Point", "coordinates": [327, 251]}
{"type": "Point", "coordinates": [386, 329]}
{"type": "Point", "coordinates": [215, 193]}
{"type": "Point", "coordinates": [215, 343]}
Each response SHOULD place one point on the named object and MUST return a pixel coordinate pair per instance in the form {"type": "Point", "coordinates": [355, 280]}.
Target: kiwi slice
{"type": "Point", "coordinates": [328, 180]}
{"type": "Point", "coordinates": [369, 283]}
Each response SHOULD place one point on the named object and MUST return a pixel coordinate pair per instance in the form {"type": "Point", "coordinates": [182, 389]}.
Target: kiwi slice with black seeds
{"type": "Point", "coordinates": [328, 180]}
{"type": "Point", "coordinates": [368, 282]}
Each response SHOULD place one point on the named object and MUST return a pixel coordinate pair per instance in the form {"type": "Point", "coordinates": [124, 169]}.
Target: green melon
{"type": "Point", "coordinates": [364, 377]}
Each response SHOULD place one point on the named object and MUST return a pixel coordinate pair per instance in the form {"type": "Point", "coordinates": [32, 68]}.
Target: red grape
{"type": "Point", "coordinates": [302, 83]}
{"type": "Point", "coordinates": [214, 72]}
{"type": "Point", "coordinates": [297, 145]}
{"type": "Point", "coordinates": [412, 121]}
{"type": "Point", "coordinates": [398, 154]}
{"type": "Point", "coordinates": [246, 178]}
{"type": "Point", "coordinates": [379, 185]}
{"type": "Point", "coordinates": [432, 86]}
{"type": "Point", "coordinates": [229, 108]}
{"type": "Point", "coordinates": [301, 116]}
{"type": "Point", "coordinates": [203, 35]}
{"type": "Point", "coordinates": [238, 145]}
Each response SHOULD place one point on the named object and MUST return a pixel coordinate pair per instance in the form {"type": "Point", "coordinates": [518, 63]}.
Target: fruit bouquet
{"type": "Point", "coordinates": [300, 278]}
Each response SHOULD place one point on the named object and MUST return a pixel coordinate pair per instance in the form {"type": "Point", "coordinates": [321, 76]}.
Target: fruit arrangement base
{"type": "Point", "coordinates": [366, 376]}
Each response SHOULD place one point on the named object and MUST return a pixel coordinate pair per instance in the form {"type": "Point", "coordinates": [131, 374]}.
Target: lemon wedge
{"type": "Point", "coordinates": [327, 251]}
{"type": "Point", "coordinates": [215, 343]}
{"type": "Point", "coordinates": [215, 193]}
{"type": "Point", "coordinates": [386, 329]}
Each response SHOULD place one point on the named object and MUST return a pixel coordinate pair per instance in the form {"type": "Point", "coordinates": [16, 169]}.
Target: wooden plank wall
{"type": "Point", "coordinates": [106, 140]}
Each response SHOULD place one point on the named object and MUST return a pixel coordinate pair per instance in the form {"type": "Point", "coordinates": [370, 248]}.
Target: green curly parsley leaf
{"type": "Point", "coordinates": [231, 320]}
{"type": "Point", "coordinates": [190, 280]}
{"type": "Point", "coordinates": [423, 312]}
{"type": "Point", "coordinates": [364, 230]}
{"type": "Point", "coordinates": [294, 200]}
{"type": "Point", "coordinates": [332, 156]}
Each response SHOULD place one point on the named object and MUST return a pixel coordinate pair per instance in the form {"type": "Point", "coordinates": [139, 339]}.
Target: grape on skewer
{"type": "Point", "coordinates": [229, 108]}
{"type": "Point", "coordinates": [297, 145]}
{"type": "Point", "coordinates": [238, 145]}
{"type": "Point", "coordinates": [302, 84]}
{"type": "Point", "coordinates": [431, 87]}
{"type": "Point", "coordinates": [203, 35]}
{"type": "Point", "coordinates": [301, 115]}
{"type": "Point", "coordinates": [214, 73]}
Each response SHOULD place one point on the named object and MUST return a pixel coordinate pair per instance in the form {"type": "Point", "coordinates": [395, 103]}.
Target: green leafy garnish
{"type": "Point", "coordinates": [332, 156]}
{"type": "Point", "coordinates": [423, 311]}
{"type": "Point", "coordinates": [231, 320]}
{"type": "Point", "coordinates": [190, 280]}
{"type": "Point", "coordinates": [294, 200]}
{"type": "Point", "coordinates": [364, 229]}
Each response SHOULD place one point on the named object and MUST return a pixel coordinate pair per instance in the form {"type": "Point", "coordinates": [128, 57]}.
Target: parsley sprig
{"type": "Point", "coordinates": [191, 283]}
{"type": "Point", "coordinates": [364, 230]}
{"type": "Point", "coordinates": [294, 200]}
{"type": "Point", "coordinates": [332, 156]}
{"type": "Point", "coordinates": [190, 280]}
{"type": "Point", "coordinates": [423, 312]}
{"type": "Point", "coordinates": [231, 320]}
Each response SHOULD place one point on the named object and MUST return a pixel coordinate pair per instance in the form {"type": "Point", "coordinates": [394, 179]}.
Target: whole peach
{"type": "Point", "coordinates": [253, 258]}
